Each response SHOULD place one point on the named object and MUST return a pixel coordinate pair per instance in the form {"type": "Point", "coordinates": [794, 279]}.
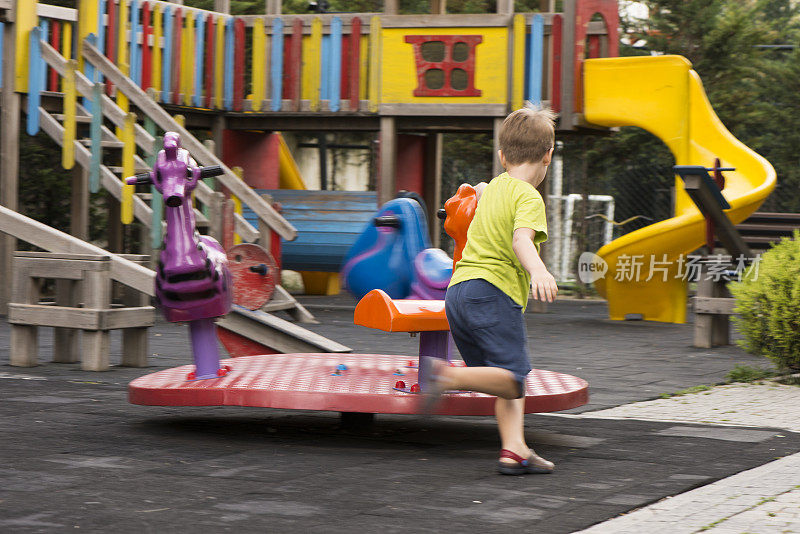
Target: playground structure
{"type": "Point", "coordinates": [139, 63]}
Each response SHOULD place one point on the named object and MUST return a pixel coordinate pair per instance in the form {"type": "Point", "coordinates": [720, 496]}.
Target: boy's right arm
{"type": "Point", "coordinates": [543, 284]}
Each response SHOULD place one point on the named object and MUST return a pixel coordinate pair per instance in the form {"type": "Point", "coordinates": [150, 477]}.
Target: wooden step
{"type": "Point", "coordinates": [118, 170]}
{"type": "Point", "coordinates": [78, 118]}
{"type": "Point", "coordinates": [104, 144]}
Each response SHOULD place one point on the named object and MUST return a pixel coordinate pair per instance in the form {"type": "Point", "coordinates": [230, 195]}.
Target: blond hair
{"type": "Point", "coordinates": [527, 134]}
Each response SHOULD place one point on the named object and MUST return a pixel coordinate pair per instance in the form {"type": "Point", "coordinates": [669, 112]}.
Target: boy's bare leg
{"type": "Point", "coordinates": [510, 415]}
{"type": "Point", "coordinates": [489, 380]}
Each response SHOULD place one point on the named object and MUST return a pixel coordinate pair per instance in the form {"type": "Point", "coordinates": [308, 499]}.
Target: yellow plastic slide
{"type": "Point", "coordinates": [664, 96]}
{"type": "Point", "coordinates": [289, 173]}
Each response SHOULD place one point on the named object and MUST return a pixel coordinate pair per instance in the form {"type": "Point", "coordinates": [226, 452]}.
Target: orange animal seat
{"type": "Point", "coordinates": [378, 310]}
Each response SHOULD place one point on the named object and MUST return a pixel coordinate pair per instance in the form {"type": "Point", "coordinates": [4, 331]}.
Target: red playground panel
{"type": "Point", "coordinates": [340, 383]}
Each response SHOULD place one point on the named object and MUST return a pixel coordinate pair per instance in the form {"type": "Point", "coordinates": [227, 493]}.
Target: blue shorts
{"type": "Point", "coordinates": [488, 328]}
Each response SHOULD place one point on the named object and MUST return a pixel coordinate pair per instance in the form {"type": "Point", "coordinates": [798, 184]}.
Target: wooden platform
{"type": "Point", "coordinates": [308, 382]}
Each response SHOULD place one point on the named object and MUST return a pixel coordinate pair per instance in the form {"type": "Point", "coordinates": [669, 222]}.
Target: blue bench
{"type": "Point", "coordinates": [327, 222]}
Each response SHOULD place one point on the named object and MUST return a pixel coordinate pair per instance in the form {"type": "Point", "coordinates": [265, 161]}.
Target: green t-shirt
{"type": "Point", "coordinates": [505, 205]}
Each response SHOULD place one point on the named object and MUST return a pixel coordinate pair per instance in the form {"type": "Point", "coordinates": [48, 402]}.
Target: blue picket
{"type": "Point", "coordinates": [276, 65]}
{"type": "Point", "coordinates": [89, 70]}
{"type": "Point", "coordinates": [227, 99]}
{"type": "Point", "coordinates": [335, 63]}
{"type": "Point", "coordinates": [45, 26]}
{"type": "Point", "coordinates": [166, 57]}
{"type": "Point", "coordinates": [101, 36]}
{"type": "Point", "coordinates": [35, 80]}
{"type": "Point", "coordinates": [536, 60]}
{"type": "Point", "coordinates": [199, 57]}
{"type": "Point", "coordinates": [96, 136]}
{"type": "Point", "coordinates": [134, 48]}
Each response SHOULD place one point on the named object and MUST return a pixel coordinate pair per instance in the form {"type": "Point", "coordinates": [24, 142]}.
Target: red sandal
{"type": "Point", "coordinates": [532, 464]}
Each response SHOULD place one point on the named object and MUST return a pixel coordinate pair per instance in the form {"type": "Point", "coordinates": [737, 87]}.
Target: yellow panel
{"type": "Point", "coordinates": [26, 20]}
{"type": "Point", "coordinates": [399, 70]}
{"type": "Point", "coordinates": [70, 106]}
{"type": "Point", "coordinates": [665, 96]}
{"type": "Point", "coordinates": [259, 66]}
{"type": "Point", "coordinates": [122, 54]}
{"type": "Point", "coordinates": [237, 204]}
{"type": "Point", "coordinates": [87, 22]}
{"type": "Point", "coordinates": [363, 75]}
{"type": "Point", "coordinates": [518, 71]}
{"type": "Point", "coordinates": [123, 60]}
{"type": "Point", "coordinates": [188, 59]}
{"type": "Point", "coordinates": [312, 75]}
{"type": "Point", "coordinates": [66, 40]}
{"type": "Point", "coordinates": [158, 32]}
{"type": "Point", "coordinates": [128, 152]}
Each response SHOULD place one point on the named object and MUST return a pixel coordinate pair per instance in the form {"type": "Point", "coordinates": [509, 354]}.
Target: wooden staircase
{"type": "Point", "coordinates": [260, 327]}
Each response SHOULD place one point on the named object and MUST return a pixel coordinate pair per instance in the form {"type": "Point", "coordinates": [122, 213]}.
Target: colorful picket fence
{"type": "Point", "coordinates": [198, 58]}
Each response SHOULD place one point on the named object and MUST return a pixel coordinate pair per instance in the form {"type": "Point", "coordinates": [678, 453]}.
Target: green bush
{"type": "Point", "coordinates": [768, 304]}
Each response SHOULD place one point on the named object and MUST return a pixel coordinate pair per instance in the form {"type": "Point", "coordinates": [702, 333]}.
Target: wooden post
{"type": "Point", "coordinates": [567, 67]}
{"type": "Point", "coordinates": [9, 155]}
{"type": "Point", "coordinates": [390, 7]}
{"type": "Point", "coordinates": [222, 6]}
{"type": "Point", "coordinates": [217, 131]}
{"type": "Point", "coordinates": [273, 7]}
{"type": "Point", "coordinates": [387, 184]}
{"type": "Point", "coordinates": [96, 295]}
{"type": "Point", "coordinates": [66, 347]}
{"type": "Point", "coordinates": [438, 7]}
{"type": "Point", "coordinates": [24, 338]}
{"type": "Point", "coordinates": [216, 217]}
{"type": "Point", "coordinates": [432, 184]}
{"type": "Point", "coordinates": [505, 7]}
{"type": "Point", "coordinates": [79, 207]}
{"type": "Point", "coordinates": [497, 168]}
{"type": "Point", "coordinates": [373, 83]}
{"type": "Point", "coordinates": [114, 230]}
{"type": "Point", "coordinates": [710, 329]}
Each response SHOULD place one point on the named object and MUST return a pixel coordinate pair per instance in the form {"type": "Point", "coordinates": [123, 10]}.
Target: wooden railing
{"type": "Point", "coordinates": [292, 63]}
{"type": "Point", "coordinates": [130, 136]}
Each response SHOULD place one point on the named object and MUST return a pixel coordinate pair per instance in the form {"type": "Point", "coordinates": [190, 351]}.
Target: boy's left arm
{"type": "Point", "coordinates": [543, 284]}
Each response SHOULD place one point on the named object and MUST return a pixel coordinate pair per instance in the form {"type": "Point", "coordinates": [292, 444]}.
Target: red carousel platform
{"type": "Point", "coordinates": [351, 383]}
{"type": "Point", "coordinates": [310, 382]}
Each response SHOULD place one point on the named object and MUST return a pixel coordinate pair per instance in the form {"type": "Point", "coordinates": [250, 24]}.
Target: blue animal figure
{"type": "Point", "coordinates": [394, 254]}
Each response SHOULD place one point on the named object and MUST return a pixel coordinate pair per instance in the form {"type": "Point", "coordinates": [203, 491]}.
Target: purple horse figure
{"type": "Point", "coordinates": [192, 283]}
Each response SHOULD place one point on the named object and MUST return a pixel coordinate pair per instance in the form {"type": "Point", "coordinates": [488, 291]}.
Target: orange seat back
{"type": "Point", "coordinates": [460, 209]}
